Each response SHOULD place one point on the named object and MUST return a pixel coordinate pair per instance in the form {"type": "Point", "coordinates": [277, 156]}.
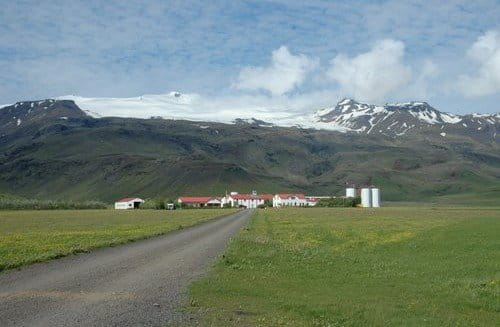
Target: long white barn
{"type": "Point", "coordinates": [290, 200]}
{"type": "Point", "coordinates": [246, 200]}
{"type": "Point", "coordinates": [128, 203]}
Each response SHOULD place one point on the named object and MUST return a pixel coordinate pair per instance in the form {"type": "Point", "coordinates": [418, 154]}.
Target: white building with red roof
{"type": "Point", "coordinates": [290, 200]}
{"type": "Point", "coordinates": [128, 203]}
{"type": "Point", "coordinates": [249, 201]}
{"type": "Point", "coordinates": [312, 201]}
{"type": "Point", "coordinates": [200, 201]}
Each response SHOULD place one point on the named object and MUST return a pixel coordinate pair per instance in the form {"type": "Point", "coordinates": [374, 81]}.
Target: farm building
{"type": "Point", "coordinates": [290, 200]}
{"type": "Point", "coordinates": [311, 201]}
{"type": "Point", "coordinates": [200, 201]}
{"type": "Point", "coordinates": [370, 196]}
{"type": "Point", "coordinates": [253, 200]}
{"type": "Point", "coordinates": [128, 203]}
{"type": "Point", "coordinates": [246, 200]}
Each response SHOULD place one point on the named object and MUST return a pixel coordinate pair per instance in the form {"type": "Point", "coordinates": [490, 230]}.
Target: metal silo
{"type": "Point", "coordinates": [375, 197]}
{"type": "Point", "coordinates": [366, 198]}
{"type": "Point", "coordinates": [350, 192]}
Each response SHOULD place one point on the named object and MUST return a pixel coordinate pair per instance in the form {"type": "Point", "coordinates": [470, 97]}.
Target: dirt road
{"type": "Point", "coordinates": [137, 284]}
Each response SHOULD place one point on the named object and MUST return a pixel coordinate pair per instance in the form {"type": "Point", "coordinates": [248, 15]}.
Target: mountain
{"type": "Point", "coordinates": [393, 120]}
{"type": "Point", "coordinates": [54, 149]}
{"type": "Point", "coordinates": [401, 118]}
{"type": "Point", "coordinates": [26, 113]}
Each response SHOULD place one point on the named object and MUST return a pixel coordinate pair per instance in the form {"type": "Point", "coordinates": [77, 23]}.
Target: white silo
{"type": "Point", "coordinates": [350, 192]}
{"type": "Point", "coordinates": [366, 198]}
{"type": "Point", "coordinates": [375, 197]}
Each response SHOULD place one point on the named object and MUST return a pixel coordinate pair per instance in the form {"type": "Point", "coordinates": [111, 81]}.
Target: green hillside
{"type": "Point", "coordinates": [82, 158]}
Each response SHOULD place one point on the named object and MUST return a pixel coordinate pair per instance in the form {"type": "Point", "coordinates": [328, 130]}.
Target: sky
{"type": "Point", "coordinates": [295, 55]}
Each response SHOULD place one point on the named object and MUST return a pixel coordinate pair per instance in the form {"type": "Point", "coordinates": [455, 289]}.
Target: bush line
{"type": "Point", "coordinates": [32, 204]}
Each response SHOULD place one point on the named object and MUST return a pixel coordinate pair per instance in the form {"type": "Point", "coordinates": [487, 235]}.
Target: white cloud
{"type": "Point", "coordinates": [486, 52]}
{"type": "Point", "coordinates": [421, 86]}
{"type": "Point", "coordinates": [372, 75]}
{"type": "Point", "coordinates": [286, 72]}
{"type": "Point", "coordinates": [102, 49]}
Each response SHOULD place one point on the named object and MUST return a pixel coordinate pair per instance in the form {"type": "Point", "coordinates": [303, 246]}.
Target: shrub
{"type": "Point", "coordinates": [33, 204]}
{"type": "Point", "coordinates": [180, 205]}
{"type": "Point", "coordinates": [267, 203]}
{"type": "Point", "coordinates": [156, 204]}
{"type": "Point", "coordinates": [338, 202]}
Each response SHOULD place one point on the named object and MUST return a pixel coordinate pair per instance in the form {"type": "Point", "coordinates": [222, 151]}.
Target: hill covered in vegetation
{"type": "Point", "coordinates": [52, 149]}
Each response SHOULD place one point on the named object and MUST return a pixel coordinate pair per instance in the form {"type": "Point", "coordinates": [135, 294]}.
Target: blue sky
{"type": "Point", "coordinates": [446, 53]}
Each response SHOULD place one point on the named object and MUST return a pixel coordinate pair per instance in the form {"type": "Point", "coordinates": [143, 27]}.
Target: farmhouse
{"type": "Point", "coordinates": [128, 203]}
{"type": "Point", "coordinates": [290, 200]}
{"type": "Point", "coordinates": [246, 200]}
{"type": "Point", "coordinates": [200, 201]}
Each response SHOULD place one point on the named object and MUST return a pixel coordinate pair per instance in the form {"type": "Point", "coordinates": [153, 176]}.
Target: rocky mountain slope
{"type": "Point", "coordinates": [53, 149]}
{"type": "Point", "coordinates": [401, 118]}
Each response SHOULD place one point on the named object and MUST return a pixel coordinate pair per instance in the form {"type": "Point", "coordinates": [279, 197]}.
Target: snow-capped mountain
{"type": "Point", "coordinates": [398, 119]}
{"type": "Point", "coordinates": [170, 105]}
{"type": "Point", "coordinates": [392, 120]}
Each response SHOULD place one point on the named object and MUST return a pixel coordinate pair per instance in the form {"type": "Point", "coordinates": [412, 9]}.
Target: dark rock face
{"type": "Point", "coordinates": [28, 112]}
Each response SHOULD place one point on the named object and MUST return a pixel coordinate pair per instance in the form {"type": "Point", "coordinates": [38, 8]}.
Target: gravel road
{"type": "Point", "coordinates": [137, 284]}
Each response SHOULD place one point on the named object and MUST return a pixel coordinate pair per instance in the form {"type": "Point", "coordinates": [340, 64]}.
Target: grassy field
{"type": "Point", "coordinates": [357, 267]}
{"type": "Point", "coordinates": [32, 236]}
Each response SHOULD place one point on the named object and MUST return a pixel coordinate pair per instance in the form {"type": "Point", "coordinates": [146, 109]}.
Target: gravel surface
{"type": "Point", "coordinates": [137, 284]}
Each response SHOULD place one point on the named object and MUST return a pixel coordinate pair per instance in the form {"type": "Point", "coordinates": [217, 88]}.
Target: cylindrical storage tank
{"type": "Point", "coordinates": [366, 198]}
{"type": "Point", "coordinates": [375, 197]}
{"type": "Point", "coordinates": [350, 192]}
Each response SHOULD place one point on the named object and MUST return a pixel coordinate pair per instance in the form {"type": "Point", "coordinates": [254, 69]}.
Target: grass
{"type": "Point", "coordinates": [357, 267]}
{"type": "Point", "coordinates": [33, 236]}
{"type": "Point", "coordinates": [487, 196]}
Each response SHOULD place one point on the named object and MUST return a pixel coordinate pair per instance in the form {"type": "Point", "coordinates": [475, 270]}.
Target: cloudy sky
{"type": "Point", "coordinates": [301, 56]}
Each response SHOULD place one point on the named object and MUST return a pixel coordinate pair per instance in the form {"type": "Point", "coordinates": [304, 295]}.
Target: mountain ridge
{"type": "Point", "coordinates": [398, 118]}
{"type": "Point", "coordinates": [391, 119]}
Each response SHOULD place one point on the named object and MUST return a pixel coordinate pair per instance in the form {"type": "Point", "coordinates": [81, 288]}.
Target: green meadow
{"type": "Point", "coordinates": [357, 267]}
{"type": "Point", "coordinates": [33, 236]}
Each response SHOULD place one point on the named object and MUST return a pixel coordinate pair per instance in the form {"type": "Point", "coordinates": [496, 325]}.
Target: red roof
{"type": "Point", "coordinates": [195, 199]}
{"type": "Point", "coordinates": [288, 195]}
{"type": "Point", "coordinates": [252, 197]}
{"type": "Point", "coordinates": [126, 199]}
{"type": "Point", "coordinates": [266, 196]}
{"type": "Point", "coordinates": [243, 196]}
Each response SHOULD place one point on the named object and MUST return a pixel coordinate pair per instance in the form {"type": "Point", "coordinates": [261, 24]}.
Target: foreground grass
{"type": "Point", "coordinates": [357, 267]}
{"type": "Point", "coordinates": [32, 236]}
